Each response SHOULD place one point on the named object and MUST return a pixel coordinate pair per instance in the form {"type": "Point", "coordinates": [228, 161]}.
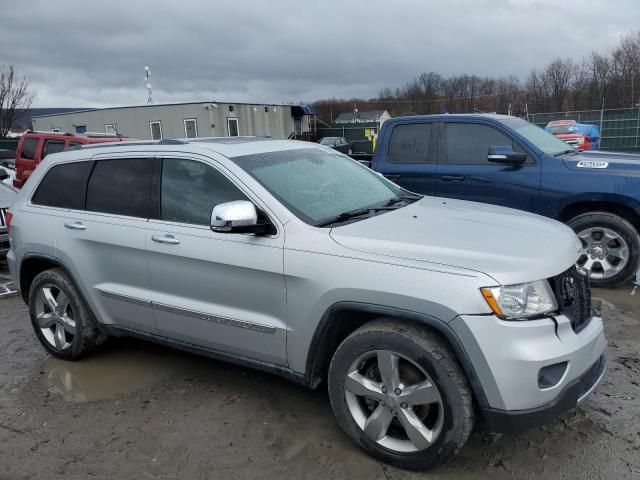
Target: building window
{"type": "Point", "coordinates": [156, 130]}
{"type": "Point", "coordinates": [232, 127]}
{"type": "Point", "coordinates": [110, 129]}
{"type": "Point", "coordinates": [231, 108]}
{"type": "Point", "coordinates": [81, 128]}
{"type": "Point", "coordinates": [190, 128]}
{"type": "Point", "coordinates": [266, 109]}
{"type": "Point", "coordinates": [55, 130]}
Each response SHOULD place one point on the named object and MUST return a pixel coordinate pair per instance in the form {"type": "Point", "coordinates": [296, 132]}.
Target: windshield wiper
{"type": "Point", "coordinates": [564, 152]}
{"type": "Point", "coordinates": [391, 204]}
{"type": "Point", "coordinates": [402, 198]}
{"type": "Point", "coordinates": [341, 217]}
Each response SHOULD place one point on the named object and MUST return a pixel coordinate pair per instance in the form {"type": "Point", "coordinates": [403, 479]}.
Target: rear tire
{"type": "Point", "coordinates": [363, 401]}
{"type": "Point", "coordinates": [62, 321]}
{"type": "Point", "coordinates": [605, 238]}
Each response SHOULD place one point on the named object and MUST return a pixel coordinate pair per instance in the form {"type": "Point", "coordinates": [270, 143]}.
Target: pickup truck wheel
{"type": "Point", "coordinates": [399, 393]}
{"type": "Point", "coordinates": [60, 318]}
{"type": "Point", "coordinates": [610, 248]}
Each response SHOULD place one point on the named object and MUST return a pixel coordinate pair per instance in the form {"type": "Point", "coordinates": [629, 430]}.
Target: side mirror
{"type": "Point", "coordinates": [506, 155]}
{"type": "Point", "coordinates": [3, 174]}
{"type": "Point", "coordinates": [239, 216]}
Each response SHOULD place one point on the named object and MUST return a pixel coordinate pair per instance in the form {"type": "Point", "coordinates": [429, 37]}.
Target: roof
{"type": "Point", "coordinates": [371, 115]}
{"type": "Point", "coordinates": [24, 118]}
{"type": "Point", "coordinates": [226, 146]}
{"type": "Point", "coordinates": [156, 105]}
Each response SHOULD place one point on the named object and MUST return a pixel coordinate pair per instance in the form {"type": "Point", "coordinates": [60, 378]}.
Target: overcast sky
{"type": "Point", "coordinates": [79, 55]}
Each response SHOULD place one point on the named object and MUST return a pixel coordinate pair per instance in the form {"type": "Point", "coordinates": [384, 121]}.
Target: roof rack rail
{"type": "Point", "coordinates": [133, 143]}
{"type": "Point", "coordinates": [48, 132]}
{"type": "Point", "coordinates": [101, 134]}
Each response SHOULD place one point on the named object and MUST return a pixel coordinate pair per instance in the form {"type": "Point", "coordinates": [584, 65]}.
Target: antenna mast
{"type": "Point", "coordinates": [147, 77]}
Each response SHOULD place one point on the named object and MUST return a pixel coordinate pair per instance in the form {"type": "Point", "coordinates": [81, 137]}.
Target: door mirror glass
{"type": "Point", "coordinates": [506, 155]}
{"type": "Point", "coordinates": [239, 216]}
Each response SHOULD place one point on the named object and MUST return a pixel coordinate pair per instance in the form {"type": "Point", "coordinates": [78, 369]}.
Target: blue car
{"type": "Point", "coordinates": [508, 161]}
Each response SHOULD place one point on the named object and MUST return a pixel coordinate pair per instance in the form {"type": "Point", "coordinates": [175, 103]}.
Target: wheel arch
{"type": "Point", "coordinates": [31, 266]}
{"type": "Point", "coordinates": [343, 318]}
{"type": "Point", "coordinates": [581, 207]}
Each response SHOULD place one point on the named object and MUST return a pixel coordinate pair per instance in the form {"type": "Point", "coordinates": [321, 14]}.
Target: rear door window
{"type": "Point", "coordinates": [52, 146]}
{"type": "Point", "coordinates": [411, 143]}
{"type": "Point", "coordinates": [64, 186]}
{"type": "Point", "coordinates": [121, 187]}
{"type": "Point", "coordinates": [29, 148]}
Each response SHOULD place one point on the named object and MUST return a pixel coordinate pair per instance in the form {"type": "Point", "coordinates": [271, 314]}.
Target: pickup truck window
{"type": "Point", "coordinates": [468, 143]}
{"type": "Point", "coordinates": [537, 136]}
{"type": "Point", "coordinates": [410, 143]}
{"type": "Point", "coordinates": [316, 185]}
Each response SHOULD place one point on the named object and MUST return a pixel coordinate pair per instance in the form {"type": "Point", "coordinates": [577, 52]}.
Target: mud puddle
{"type": "Point", "coordinates": [116, 371]}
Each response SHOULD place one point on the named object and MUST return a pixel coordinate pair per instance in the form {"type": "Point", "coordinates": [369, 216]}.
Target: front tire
{"type": "Point", "coordinates": [60, 318]}
{"type": "Point", "coordinates": [398, 392]}
{"type": "Point", "coordinates": [610, 248]}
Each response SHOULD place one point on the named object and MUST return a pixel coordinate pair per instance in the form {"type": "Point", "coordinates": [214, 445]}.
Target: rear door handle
{"type": "Point", "coordinates": [170, 239]}
{"type": "Point", "coordinates": [391, 177]}
{"type": "Point", "coordinates": [452, 178]}
{"type": "Point", "coordinates": [75, 225]}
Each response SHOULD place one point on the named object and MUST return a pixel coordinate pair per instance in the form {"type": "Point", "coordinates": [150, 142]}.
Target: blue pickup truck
{"type": "Point", "coordinates": [508, 161]}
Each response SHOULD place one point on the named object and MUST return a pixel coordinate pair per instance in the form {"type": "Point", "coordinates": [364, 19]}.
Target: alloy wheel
{"type": "Point", "coordinates": [394, 401]}
{"type": "Point", "coordinates": [604, 252]}
{"type": "Point", "coordinates": [55, 317]}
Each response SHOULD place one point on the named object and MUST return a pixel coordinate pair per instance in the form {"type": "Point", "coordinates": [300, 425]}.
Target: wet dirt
{"type": "Point", "coordinates": [138, 410]}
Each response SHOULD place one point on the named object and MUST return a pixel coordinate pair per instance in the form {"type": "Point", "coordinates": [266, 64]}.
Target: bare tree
{"type": "Point", "coordinates": [15, 97]}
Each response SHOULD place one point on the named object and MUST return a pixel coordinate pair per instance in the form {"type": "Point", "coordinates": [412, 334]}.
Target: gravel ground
{"type": "Point", "coordinates": [137, 410]}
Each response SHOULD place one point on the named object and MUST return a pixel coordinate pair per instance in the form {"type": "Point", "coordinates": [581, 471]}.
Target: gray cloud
{"type": "Point", "coordinates": [82, 54]}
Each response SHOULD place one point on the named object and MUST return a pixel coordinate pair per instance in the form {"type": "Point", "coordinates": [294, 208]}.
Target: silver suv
{"type": "Point", "coordinates": [423, 315]}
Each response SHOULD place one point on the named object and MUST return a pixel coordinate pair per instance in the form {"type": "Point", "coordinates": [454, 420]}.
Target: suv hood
{"type": "Point", "coordinates": [509, 245]}
{"type": "Point", "coordinates": [604, 162]}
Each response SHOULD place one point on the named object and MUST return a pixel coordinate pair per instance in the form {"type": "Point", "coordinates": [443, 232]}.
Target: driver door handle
{"type": "Point", "coordinates": [75, 225]}
{"type": "Point", "coordinates": [452, 178]}
{"type": "Point", "coordinates": [169, 239]}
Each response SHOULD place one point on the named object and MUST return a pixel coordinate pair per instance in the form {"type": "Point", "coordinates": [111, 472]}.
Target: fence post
{"type": "Point", "coordinates": [637, 127]}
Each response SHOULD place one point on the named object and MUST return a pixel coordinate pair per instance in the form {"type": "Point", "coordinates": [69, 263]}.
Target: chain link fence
{"type": "Point", "coordinates": [619, 128]}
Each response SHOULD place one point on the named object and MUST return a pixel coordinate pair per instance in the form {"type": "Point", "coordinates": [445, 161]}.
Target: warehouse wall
{"type": "Point", "coordinates": [211, 120]}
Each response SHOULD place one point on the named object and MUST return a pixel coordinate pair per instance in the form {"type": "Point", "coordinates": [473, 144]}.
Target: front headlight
{"type": "Point", "coordinates": [521, 300]}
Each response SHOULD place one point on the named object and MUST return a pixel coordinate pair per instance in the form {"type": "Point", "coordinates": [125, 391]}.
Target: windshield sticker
{"type": "Point", "coordinates": [592, 164]}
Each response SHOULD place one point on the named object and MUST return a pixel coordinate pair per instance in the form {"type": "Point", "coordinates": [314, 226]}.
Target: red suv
{"type": "Point", "coordinates": [34, 146]}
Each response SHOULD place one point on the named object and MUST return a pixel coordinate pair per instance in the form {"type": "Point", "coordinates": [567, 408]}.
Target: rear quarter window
{"type": "Point", "coordinates": [29, 147]}
{"type": "Point", "coordinates": [64, 186]}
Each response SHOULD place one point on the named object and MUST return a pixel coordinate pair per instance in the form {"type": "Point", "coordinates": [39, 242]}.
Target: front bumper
{"type": "Point", "coordinates": [504, 421]}
{"type": "Point", "coordinates": [508, 356]}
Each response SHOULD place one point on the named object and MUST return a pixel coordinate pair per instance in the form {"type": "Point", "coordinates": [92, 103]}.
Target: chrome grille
{"type": "Point", "coordinates": [3, 219]}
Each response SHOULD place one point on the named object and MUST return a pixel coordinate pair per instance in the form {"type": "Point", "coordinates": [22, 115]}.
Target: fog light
{"type": "Point", "coordinates": [550, 376]}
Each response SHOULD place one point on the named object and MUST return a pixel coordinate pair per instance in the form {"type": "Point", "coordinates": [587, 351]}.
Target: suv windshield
{"type": "Point", "coordinates": [537, 136]}
{"type": "Point", "coordinates": [322, 188]}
